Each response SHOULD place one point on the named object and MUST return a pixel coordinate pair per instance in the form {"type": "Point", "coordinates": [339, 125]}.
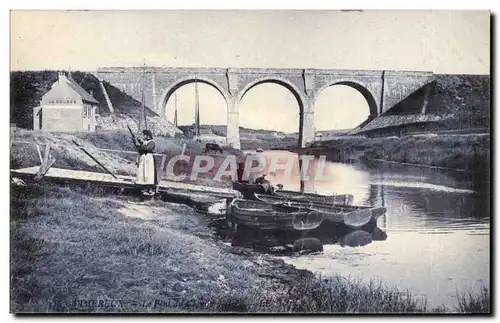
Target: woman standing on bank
{"type": "Point", "coordinates": [146, 169]}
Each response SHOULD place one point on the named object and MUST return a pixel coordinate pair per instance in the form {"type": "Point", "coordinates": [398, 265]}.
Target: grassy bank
{"type": "Point", "coordinates": [474, 302]}
{"type": "Point", "coordinates": [466, 152]}
{"type": "Point", "coordinates": [268, 144]}
{"type": "Point", "coordinates": [69, 156]}
{"type": "Point", "coordinates": [70, 246]}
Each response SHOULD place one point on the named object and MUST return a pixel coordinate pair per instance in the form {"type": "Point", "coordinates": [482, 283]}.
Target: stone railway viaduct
{"type": "Point", "coordinates": [381, 89]}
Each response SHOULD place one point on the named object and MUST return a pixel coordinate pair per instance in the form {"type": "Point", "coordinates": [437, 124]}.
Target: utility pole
{"type": "Point", "coordinates": [175, 112]}
{"type": "Point", "coordinates": [197, 109]}
{"type": "Point", "coordinates": [143, 96]}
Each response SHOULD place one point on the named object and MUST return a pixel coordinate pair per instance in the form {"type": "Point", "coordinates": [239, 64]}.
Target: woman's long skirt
{"type": "Point", "coordinates": [146, 171]}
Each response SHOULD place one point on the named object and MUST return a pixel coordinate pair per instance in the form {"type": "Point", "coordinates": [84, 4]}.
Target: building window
{"type": "Point", "coordinates": [62, 101]}
{"type": "Point", "coordinates": [87, 111]}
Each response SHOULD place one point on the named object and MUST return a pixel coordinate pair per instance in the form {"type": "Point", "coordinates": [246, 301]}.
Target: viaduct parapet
{"type": "Point", "coordinates": [381, 89]}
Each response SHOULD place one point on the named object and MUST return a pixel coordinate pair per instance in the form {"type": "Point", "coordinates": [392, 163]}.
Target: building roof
{"type": "Point", "coordinates": [78, 89]}
{"type": "Point", "coordinates": [66, 87]}
{"type": "Point", "coordinates": [385, 121]}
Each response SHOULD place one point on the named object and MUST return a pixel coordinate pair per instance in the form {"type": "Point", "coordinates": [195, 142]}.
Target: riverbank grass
{"type": "Point", "coordinates": [466, 152]}
{"type": "Point", "coordinates": [71, 247]}
{"type": "Point", "coordinates": [121, 160]}
{"type": "Point", "coordinates": [68, 246]}
{"type": "Point", "coordinates": [474, 302]}
{"type": "Point", "coordinates": [339, 295]}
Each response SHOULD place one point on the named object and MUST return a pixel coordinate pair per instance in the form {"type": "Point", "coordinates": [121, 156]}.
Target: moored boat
{"type": "Point", "coordinates": [279, 198]}
{"type": "Point", "coordinates": [265, 216]}
{"type": "Point", "coordinates": [349, 215]}
{"type": "Point", "coordinates": [239, 186]}
{"type": "Point", "coordinates": [317, 198]}
{"type": "Point", "coordinates": [248, 190]}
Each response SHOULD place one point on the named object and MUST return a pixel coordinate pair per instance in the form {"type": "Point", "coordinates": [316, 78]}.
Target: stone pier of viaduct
{"type": "Point", "coordinates": [381, 89]}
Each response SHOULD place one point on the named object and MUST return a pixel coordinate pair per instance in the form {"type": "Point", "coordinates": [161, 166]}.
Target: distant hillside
{"type": "Point", "coordinates": [466, 98]}
{"type": "Point", "coordinates": [252, 138]}
{"type": "Point", "coordinates": [189, 130]}
{"type": "Point", "coordinates": [28, 87]}
{"type": "Point", "coordinates": [26, 91]}
{"type": "Point", "coordinates": [244, 130]}
{"type": "Point", "coordinates": [456, 102]}
{"type": "Point", "coordinates": [221, 130]}
{"type": "Point", "coordinates": [260, 131]}
{"type": "Point", "coordinates": [330, 133]}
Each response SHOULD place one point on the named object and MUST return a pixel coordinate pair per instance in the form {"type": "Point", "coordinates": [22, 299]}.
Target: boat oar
{"type": "Point", "coordinates": [94, 159]}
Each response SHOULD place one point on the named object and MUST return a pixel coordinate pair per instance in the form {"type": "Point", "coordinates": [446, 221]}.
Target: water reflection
{"type": "Point", "coordinates": [285, 243]}
{"type": "Point", "coordinates": [411, 194]}
{"type": "Point", "coordinates": [318, 176]}
{"type": "Point", "coordinates": [438, 223]}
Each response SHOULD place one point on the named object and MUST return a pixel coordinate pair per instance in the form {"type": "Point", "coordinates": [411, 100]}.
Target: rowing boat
{"type": "Point", "coordinates": [304, 199]}
{"type": "Point", "coordinates": [349, 215]}
{"type": "Point", "coordinates": [317, 198]}
{"type": "Point", "coordinates": [265, 216]}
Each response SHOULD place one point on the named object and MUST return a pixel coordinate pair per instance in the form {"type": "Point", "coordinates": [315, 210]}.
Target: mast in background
{"type": "Point", "coordinates": [196, 109]}
{"type": "Point", "coordinates": [142, 95]}
{"type": "Point", "coordinates": [175, 112]}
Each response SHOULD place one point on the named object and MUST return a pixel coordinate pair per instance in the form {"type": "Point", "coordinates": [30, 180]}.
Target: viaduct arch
{"type": "Point", "coordinates": [381, 89]}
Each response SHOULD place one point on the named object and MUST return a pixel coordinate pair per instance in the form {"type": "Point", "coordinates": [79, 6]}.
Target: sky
{"type": "Point", "coordinates": [454, 42]}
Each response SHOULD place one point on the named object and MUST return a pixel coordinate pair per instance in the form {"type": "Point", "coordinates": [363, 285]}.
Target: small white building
{"type": "Point", "coordinates": [278, 135]}
{"type": "Point", "coordinates": [66, 107]}
{"type": "Point", "coordinates": [207, 136]}
{"type": "Point", "coordinates": [248, 136]}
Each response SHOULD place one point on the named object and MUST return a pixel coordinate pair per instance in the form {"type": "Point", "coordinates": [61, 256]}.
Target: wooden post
{"type": "Point", "coordinates": [52, 161]}
{"type": "Point", "coordinates": [39, 153]}
{"type": "Point", "coordinates": [47, 151]}
{"type": "Point", "coordinates": [46, 164]}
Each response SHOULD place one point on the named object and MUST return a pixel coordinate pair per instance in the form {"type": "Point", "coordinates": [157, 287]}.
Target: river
{"type": "Point", "coordinates": [437, 228]}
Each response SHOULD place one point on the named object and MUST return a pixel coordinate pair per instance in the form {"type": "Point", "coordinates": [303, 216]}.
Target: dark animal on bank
{"type": "Point", "coordinates": [214, 147]}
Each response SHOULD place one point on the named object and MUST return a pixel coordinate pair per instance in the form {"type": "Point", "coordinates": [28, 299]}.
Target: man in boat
{"type": "Point", "coordinates": [146, 166]}
{"type": "Point", "coordinates": [268, 187]}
